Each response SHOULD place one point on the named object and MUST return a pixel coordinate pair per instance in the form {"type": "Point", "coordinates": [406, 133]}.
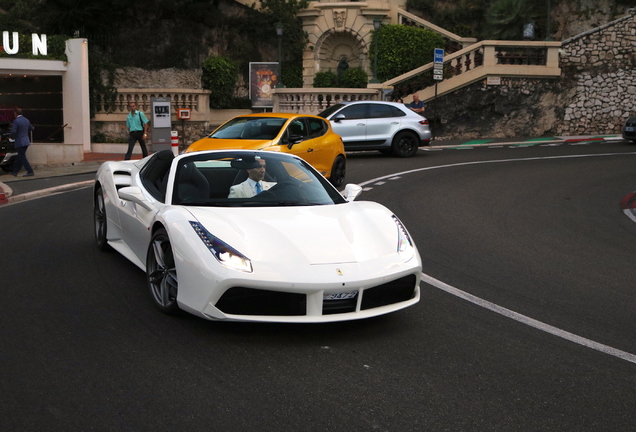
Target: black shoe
{"type": "Point", "coordinates": [13, 174]}
{"type": "Point", "coordinates": [28, 175]}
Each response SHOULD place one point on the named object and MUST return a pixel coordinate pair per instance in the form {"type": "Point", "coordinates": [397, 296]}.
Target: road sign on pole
{"type": "Point", "coordinates": [438, 64]}
{"type": "Point", "coordinates": [439, 55]}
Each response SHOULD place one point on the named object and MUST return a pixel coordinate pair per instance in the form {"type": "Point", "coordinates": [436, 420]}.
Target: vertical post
{"type": "Point", "coordinates": [279, 31]}
{"type": "Point", "coordinates": [377, 22]}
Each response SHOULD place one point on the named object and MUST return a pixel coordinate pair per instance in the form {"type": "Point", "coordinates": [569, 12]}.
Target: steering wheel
{"type": "Point", "coordinates": [289, 189]}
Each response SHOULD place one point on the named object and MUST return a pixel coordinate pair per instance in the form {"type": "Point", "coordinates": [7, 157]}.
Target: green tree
{"type": "Point", "coordinates": [506, 18]}
{"type": "Point", "coordinates": [220, 75]}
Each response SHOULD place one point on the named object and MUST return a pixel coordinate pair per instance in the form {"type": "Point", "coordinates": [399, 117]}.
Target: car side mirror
{"type": "Point", "coordinates": [293, 139]}
{"type": "Point", "coordinates": [135, 195]}
{"type": "Point", "coordinates": [339, 117]}
{"type": "Point", "coordinates": [351, 191]}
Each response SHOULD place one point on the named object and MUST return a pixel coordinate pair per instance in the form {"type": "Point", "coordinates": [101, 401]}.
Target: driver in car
{"type": "Point", "coordinates": [254, 183]}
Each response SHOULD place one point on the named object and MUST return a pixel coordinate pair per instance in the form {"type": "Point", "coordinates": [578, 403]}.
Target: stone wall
{"type": "Point", "coordinates": [601, 65]}
{"type": "Point", "coordinates": [594, 96]}
{"type": "Point", "coordinates": [163, 78]}
{"type": "Point", "coordinates": [517, 107]}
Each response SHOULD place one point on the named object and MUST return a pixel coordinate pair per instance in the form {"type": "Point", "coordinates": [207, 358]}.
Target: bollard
{"type": "Point", "coordinates": [174, 138]}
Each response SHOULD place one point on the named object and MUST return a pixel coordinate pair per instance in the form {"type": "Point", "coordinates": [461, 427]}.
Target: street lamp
{"type": "Point", "coordinates": [279, 31]}
{"type": "Point", "coordinates": [377, 22]}
{"type": "Point", "coordinates": [548, 36]}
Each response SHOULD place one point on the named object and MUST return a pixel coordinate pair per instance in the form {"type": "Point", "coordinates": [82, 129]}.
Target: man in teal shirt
{"type": "Point", "coordinates": [137, 125]}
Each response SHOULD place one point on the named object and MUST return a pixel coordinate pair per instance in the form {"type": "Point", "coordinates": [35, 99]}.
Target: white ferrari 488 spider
{"type": "Point", "coordinates": [292, 249]}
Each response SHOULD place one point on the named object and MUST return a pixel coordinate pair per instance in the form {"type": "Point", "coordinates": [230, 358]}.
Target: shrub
{"type": "Point", "coordinates": [325, 79]}
{"type": "Point", "coordinates": [353, 78]}
{"type": "Point", "coordinates": [219, 75]}
{"type": "Point", "coordinates": [402, 49]}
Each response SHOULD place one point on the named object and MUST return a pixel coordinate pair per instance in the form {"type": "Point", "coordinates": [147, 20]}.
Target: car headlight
{"type": "Point", "coordinates": [405, 248]}
{"type": "Point", "coordinates": [223, 252]}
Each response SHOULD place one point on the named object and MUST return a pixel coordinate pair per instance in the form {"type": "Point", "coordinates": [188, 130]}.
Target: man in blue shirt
{"type": "Point", "coordinates": [417, 105]}
{"type": "Point", "coordinates": [20, 132]}
{"type": "Point", "coordinates": [137, 125]}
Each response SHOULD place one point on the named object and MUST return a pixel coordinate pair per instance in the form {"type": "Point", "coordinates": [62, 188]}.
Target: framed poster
{"type": "Point", "coordinates": [263, 79]}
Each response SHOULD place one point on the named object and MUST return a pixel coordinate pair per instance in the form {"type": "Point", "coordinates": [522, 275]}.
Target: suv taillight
{"type": "Point", "coordinates": [423, 122]}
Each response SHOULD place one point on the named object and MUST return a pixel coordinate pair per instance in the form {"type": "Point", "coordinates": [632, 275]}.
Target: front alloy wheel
{"type": "Point", "coordinates": [162, 273]}
{"type": "Point", "coordinates": [338, 171]}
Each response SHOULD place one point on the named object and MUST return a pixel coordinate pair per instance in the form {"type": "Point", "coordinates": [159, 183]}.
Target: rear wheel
{"type": "Point", "coordinates": [405, 144]}
{"type": "Point", "coordinates": [338, 171]}
{"type": "Point", "coordinates": [161, 273]}
{"type": "Point", "coordinates": [99, 220]}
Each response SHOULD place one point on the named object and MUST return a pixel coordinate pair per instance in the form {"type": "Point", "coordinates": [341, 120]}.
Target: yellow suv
{"type": "Point", "coordinates": [308, 137]}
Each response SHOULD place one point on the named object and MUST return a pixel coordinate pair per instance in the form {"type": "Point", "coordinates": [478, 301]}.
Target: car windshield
{"type": "Point", "coordinates": [332, 109]}
{"type": "Point", "coordinates": [250, 128]}
{"type": "Point", "coordinates": [229, 179]}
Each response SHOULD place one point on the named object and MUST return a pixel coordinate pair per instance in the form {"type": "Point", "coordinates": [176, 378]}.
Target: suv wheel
{"type": "Point", "coordinates": [405, 144]}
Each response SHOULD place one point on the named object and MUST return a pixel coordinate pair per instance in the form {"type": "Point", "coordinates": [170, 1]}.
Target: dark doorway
{"type": "Point", "coordinates": [40, 98]}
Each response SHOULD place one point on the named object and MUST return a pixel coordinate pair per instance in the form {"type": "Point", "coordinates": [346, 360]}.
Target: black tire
{"type": "Point", "coordinates": [405, 144]}
{"type": "Point", "coordinates": [162, 274]}
{"type": "Point", "coordinates": [99, 221]}
{"type": "Point", "coordinates": [338, 171]}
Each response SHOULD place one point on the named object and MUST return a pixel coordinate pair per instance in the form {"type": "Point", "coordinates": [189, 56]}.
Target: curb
{"type": "Point", "coordinates": [554, 140]}
{"type": "Point", "coordinates": [44, 192]}
{"type": "Point", "coordinates": [5, 193]}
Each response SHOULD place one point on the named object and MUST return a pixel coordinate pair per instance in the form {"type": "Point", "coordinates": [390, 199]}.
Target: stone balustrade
{"type": "Point", "coordinates": [197, 100]}
{"type": "Point", "coordinates": [480, 60]}
{"type": "Point", "coordinates": [314, 100]}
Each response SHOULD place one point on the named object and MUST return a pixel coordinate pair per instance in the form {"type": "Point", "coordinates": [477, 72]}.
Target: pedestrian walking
{"type": "Point", "coordinates": [137, 125]}
{"type": "Point", "coordinates": [20, 133]}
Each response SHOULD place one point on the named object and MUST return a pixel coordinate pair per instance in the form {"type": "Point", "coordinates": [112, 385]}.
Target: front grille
{"type": "Point", "coordinates": [396, 291]}
{"type": "Point", "coordinates": [249, 301]}
{"type": "Point", "coordinates": [330, 307]}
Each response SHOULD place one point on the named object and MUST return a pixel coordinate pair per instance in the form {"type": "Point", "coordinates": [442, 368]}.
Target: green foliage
{"type": "Point", "coordinates": [462, 17]}
{"type": "Point", "coordinates": [56, 48]}
{"type": "Point", "coordinates": [402, 48]}
{"type": "Point", "coordinates": [353, 78]}
{"type": "Point", "coordinates": [220, 75]}
{"type": "Point", "coordinates": [284, 12]}
{"type": "Point", "coordinates": [292, 75]}
{"type": "Point", "coordinates": [506, 18]}
{"type": "Point", "coordinates": [350, 78]}
{"type": "Point", "coordinates": [325, 79]}
{"type": "Point", "coordinates": [101, 79]}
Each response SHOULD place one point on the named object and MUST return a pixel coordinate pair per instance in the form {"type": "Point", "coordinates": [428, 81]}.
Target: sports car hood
{"type": "Point", "coordinates": [344, 233]}
{"type": "Point", "coordinates": [222, 144]}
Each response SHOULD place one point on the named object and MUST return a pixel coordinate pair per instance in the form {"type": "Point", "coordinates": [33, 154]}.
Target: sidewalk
{"type": "Point", "coordinates": [89, 165]}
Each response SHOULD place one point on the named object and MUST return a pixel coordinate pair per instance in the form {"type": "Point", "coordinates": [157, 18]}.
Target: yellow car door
{"type": "Point", "coordinates": [297, 140]}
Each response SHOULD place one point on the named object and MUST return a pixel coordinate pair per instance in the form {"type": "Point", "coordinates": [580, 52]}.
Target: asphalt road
{"type": "Point", "coordinates": [537, 231]}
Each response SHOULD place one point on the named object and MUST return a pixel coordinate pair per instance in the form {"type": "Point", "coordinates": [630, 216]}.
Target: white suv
{"type": "Point", "coordinates": [373, 125]}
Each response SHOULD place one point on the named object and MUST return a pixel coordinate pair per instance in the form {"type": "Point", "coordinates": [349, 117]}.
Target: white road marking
{"type": "Point", "coordinates": [499, 309]}
{"type": "Point", "coordinates": [402, 173]}
{"type": "Point", "coordinates": [528, 321]}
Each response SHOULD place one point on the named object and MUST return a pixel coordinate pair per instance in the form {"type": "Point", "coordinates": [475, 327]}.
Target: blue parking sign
{"type": "Point", "coordinates": [439, 55]}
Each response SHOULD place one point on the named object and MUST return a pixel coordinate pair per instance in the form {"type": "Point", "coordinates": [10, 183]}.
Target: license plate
{"type": "Point", "coordinates": [629, 129]}
{"type": "Point", "coordinates": [340, 296]}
